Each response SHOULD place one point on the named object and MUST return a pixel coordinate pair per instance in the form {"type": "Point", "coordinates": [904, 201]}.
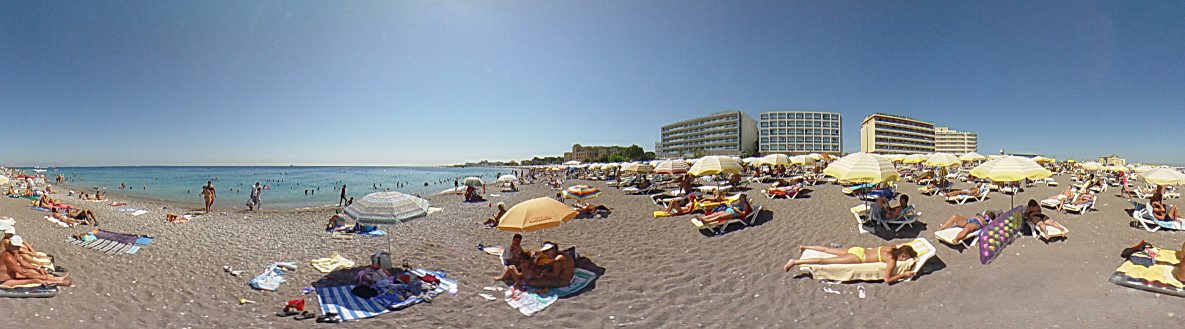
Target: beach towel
{"type": "Point", "coordinates": [334, 262]}
{"type": "Point", "coordinates": [349, 307]}
{"type": "Point", "coordinates": [528, 303]}
{"type": "Point", "coordinates": [56, 221]}
{"type": "Point", "coordinates": [112, 243]}
{"type": "Point", "coordinates": [1154, 276]}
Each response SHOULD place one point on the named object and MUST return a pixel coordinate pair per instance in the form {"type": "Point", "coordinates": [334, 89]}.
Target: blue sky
{"type": "Point", "coordinates": [436, 82]}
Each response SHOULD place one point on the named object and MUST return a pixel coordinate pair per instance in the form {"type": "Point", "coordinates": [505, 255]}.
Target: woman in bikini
{"type": "Point", "coordinates": [969, 224]}
{"type": "Point", "coordinates": [890, 255]}
{"type": "Point", "coordinates": [208, 194]}
{"type": "Point", "coordinates": [731, 211]}
{"type": "Point", "coordinates": [1039, 221]}
{"type": "Point", "coordinates": [1160, 210]}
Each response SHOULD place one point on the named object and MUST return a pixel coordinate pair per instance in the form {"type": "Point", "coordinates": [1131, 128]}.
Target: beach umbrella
{"type": "Point", "coordinates": [774, 160]}
{"type": "Point", "coordinates": [473, 181]}
{"type": "Point", "coordinates": [895, 157]}
{"type": "Point", "coordinates": [535, 214]}
{"type": "Point", "coordinates": [995, 156]}
{"type": "Point", "coordinates": [804, 160]}
{"type": "Point", "coordinates": [942, 160]}
{"type": "Point", "coordinates": [386, 208]}
{"type": "Point", "coordinates": [581, 193]}
{"type": "Point", "coordinates": [1091, 165]}
{"type": "Point", "coordinates": [638, 168]}
{"type": "Point", "coordinates": [507, 178]}
{"type": "Point", "coordinates": [714, 165]}
{"type": "Point", "coordinates": [1164, 176]}
{"type": "Point", "coordinates": [572, 163]}
{"type": "Point", "coordinates": [863, 167]}
{"type": "Point", "coordinates": [816, 156]}
{"type": "Point", "coordinates": [611, 165]}
{"type": "Point", "coordinates": [1042, 159]}
{"type": "Point", "coordinates": [1143, 168]}
{"type": "Point", "coordinates": [915, 158]}
{"type": "Point", "coordinates": [1011, 169]}
{"type": "Point", "coordinates": [1116, 168]}
{"type": "Point", "coordinates": [972, 156]}
{"type": "Point", "coordinates": [3, 180]}
{"type": "Point", "coordinates": [1070, 161]}
{"type": "Point", "coordinates": [672, 167]}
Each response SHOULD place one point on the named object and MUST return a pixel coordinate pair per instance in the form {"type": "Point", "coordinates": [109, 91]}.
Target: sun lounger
{"type": "Point", "coordinates": [855, 189]}
{"type": "Point", "coordinates": [963, 198]}
{"type": "Point", "coordinates": [1052, 203]}
{"type": "Point", "coordinates": [1081, 208]}
{"type": "Point", "coordinates": [948, 236]}
{"type": "Point", "coordinates": [718, 227]}
{"type": "Point", "coordinates": [1143, 215]}
{"type": "Point", "coordinates": [866, 271]}
{"type": "Point", "coordinates": [777, 193]}
{"type": "Point", "coordinates": [907, 218]}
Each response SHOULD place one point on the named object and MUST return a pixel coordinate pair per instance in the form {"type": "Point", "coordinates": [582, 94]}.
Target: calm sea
{"type": "Point", "coordinates": [287, 185]}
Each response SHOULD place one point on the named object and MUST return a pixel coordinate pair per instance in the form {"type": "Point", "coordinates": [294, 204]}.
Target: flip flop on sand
{"type": "Point", "coordinates": [288, 311]}
{"type": "Point", "coordinates": [305, 316]}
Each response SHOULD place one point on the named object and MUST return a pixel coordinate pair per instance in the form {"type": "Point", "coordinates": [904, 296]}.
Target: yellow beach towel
{"type": "Point", "coordinates": [334, 262]}
{"type": "Point", "coordinates": [1158, 273]}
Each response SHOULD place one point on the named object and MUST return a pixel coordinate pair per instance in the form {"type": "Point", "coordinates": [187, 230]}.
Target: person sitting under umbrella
{"type": "Point", "coordinates": [493, 221]}
{"type": "Point", "coordinates": [471, 195]}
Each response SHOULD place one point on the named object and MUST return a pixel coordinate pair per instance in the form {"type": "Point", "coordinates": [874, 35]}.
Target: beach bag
{"type": "Point", "coordinates": [382, 259]}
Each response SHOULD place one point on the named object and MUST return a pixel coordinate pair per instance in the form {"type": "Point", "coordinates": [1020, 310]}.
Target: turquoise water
{"type": "Point", "coordinates": [288, 185]}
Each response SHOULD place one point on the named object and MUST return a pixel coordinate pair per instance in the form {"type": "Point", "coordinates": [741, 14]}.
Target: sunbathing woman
{"type": "Point", "coordinates": [1082, 199]}
{"type": "Point", "coordinates": [681, 206]}
{"type": "Point", "coordinates": [493, 221]}
{"type": "Point", "coordinates": [86, 216]}
{"type": "Point", "coordinates": [1160, 210]}
{"type": "Point", "coordinates": [1039, 221]}
{"type": "Point", "coordinates": [967, 192]}
{"type": "Point", "coordinates": [55, 214]}
{"type": "Point", "coordinates": [968, 224]}
{"type": "Point", "coordinates": [731, 211]}
{"type": "Point", "coordinates": [890, 255]}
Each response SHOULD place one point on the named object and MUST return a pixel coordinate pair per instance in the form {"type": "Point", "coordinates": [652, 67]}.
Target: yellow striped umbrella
{"type": "Point", "coordinates": [863, 167]}
{"type": "Point", "coordinates": [972, 157]}
{"type": "Point", "coordinates": [1091, 165]}
{"type": "Point", "coordinates": [1164, 176]}
{"type": "Point", "coordinates": [1010, 169]}
{"type": "Point", "coordinates": [943, 160]}
{"type": "Point", "coordinates": [804, 160]}
{"type": "Point", "coordinates": [714, 165]}
{"type": "Point", "coordinates": [1116, 168]}
{"type": "Point", "coordinates": [535, 214]}
{"type": "Point", "coordinates": [915, 158]}
{"type": "Point", "coordinates": [638, 168]}
{"type": "Point", "coordinates": [774, 160]}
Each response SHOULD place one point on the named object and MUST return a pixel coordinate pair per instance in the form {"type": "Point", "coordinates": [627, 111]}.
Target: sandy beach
{"type": "Point", "coordinates": [656, 272]}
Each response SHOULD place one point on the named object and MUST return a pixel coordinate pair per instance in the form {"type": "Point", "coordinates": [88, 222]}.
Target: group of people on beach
{"type": "Point", "coordinates": [20, 264]}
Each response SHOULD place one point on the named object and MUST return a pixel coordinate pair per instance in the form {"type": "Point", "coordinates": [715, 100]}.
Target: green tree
{"type": "Point", "coordinates": [634, 152]}
{"type": "Point", "coordinates": [617, 158]}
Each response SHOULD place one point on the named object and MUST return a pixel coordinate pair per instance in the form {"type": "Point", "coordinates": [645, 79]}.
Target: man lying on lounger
{"type": "Point", "coordinates": [890, 255]}
{"type": "Point", "coordinates": [16, 272]}
{"type": "Point", "coordinates": [967, 192]}
{"type": "Point", "coordinates": [968, 224]}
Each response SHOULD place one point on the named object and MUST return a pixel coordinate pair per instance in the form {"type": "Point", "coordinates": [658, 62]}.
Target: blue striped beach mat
{"type": "Point", "coordinates": [114, 243]}
{"type": "Point", "coordinates": [349, 307]}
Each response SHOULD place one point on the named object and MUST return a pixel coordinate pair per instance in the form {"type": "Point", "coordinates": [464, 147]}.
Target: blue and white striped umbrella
{"type": "Point", "coordinates": [387, 208]}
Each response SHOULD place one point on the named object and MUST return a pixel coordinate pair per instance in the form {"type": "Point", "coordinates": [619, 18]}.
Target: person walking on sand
{"type": "Point", "coordinates": [208, 194]}
{"type": "Point", "coordinates": [342, 202]}
{"type": "Point", "coordinates": [253, 202]}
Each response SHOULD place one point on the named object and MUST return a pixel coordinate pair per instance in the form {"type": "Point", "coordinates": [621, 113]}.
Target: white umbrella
{"type": "Point", "coordinates": [774, 160]}
{"type": "Point", "coordinates": [1164, 176]}
{"type": "Point", "coordinates": [473, 181]}
{"type": "Point", "coordinates": [507, 178]}
{"type": "Point", "coordinates": [386, 208]}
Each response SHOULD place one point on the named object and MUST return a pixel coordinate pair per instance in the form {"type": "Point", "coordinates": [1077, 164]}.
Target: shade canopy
{"type": "Point", "coordinates": [535, 214]}
{"type": "Point", "coordinates": [581, 192]}
{"type": "Point", "coordinates": [508, 178]}
{"type": "Point", "coordinates": [638, 168]}
{"type": "Point", "coordinates": [473, 181]}
{"type": "Point", "coordinates": [774, 160]}
{"type": "Point", "coordinates": [672, 167]}
{"type": "Point", "coordinates": [972, 156]}
{"type": "Point", "coordinates": [943, 160]}
{"type": "Point", "coordinates": [1010, 169]}
{"type": "Point", "coordinates": [386, 208]}
{"type": "Point", "coordinates": [715, 165]}
{"type": "Point", "coordinates": [1164, 176]}
{"type": "Point", "coordinates": [805, 160]}
{"type": "Point", "coordinates": [915, 158]}
{"type": "Point", "coordinates": [863, 167]}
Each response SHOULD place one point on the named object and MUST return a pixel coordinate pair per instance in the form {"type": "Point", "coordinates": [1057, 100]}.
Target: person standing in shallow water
{"type": "Point", "coordinates": [342, 202]}
{"type": "Point", "coordinates": [253, 203]}
{"type": "Point", "coordinates": [208, 194]}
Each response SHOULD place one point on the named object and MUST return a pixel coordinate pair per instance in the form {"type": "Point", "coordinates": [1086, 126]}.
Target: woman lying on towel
{"type": "Point", "coordinates": [1039, 221]}
{"type": "Point", "coordinates": [889, 255]}
{"type": "Point", "coordinates": [969, 225]}
{"type": "Point", "coordinates": [730, 211]}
